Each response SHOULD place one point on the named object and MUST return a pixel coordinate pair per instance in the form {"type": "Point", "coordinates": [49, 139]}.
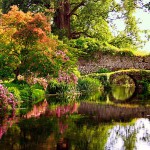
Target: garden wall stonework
{"type": "Point", "coordinates": [112, 62]}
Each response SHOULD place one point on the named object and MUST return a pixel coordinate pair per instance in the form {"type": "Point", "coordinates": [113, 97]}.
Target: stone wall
{"type": "Point", "coordinates": [112, 62]}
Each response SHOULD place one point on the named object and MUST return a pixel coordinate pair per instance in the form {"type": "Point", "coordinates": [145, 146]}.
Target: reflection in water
{"type": "Point", "coordinates": [37, 110]}
{"type": "Point", "coordinates": [76, 132]}
{"type": "Point", "coordinates": [43, 108]}
{"type": "Point", "coordinates": [6, 122]}
{"type": "Point", "coordinates": [128, 137]}
{"type": "Point", "coordinates": [107, 113]}
{"type": "Point", "coordinates": [47, 127]}
{"type": "Point", "coordinates": [122, 92]}
{"type": "Point", "coordinates": [64, 110]}
{"type": "Point", "coordinates": [118, 94]}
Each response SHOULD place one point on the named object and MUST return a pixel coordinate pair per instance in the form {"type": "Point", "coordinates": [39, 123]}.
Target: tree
{"type": "Point", "coordinates": [26, 5]}
{"type": "Point", "coordinates": [72, 17]}
{"type": "Point", "coordinates": [131, 30]}
{"type": "Point", "coordinates": [130, 37]}
{"type": "Point", "coordinates": [25, 37]}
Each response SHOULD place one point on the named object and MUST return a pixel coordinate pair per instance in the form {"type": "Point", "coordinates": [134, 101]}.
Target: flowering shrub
{"type": "Point", "coordinates": [7, 100]}
{"type": "Point", "coordinates": [67, 78]}
{"type": "Point", "coordinates": [62, 55]}
{"type": "Point", "coordinates": [31, 80]}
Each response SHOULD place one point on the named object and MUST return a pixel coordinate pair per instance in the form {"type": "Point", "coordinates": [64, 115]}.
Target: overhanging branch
{"type": "Point", "coordinates": [76, 7]}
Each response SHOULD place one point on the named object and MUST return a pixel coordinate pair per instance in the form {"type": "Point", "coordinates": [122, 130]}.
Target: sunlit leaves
{"type": "Point", "coordinates": [93, 24]}
{"type": "Point", "coordinates": [25, 27]}
{"type": "Point", "coordinates": [25, 38]}
{"type": "Point", "coordinates": [22, 35]}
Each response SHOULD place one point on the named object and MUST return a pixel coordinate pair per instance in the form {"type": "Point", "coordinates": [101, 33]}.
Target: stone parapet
{"type": "Point", "coordinates": [112, 62]}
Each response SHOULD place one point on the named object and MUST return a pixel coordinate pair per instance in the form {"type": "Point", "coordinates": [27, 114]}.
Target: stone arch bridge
{"type": "Point", "coordinates": [138, 76]}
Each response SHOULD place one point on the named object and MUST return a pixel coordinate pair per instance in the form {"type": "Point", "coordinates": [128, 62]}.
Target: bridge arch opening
{"type": "Point", "coordinates": [124, 80]}
{"type": "Point", "coordinates": [123, 87]}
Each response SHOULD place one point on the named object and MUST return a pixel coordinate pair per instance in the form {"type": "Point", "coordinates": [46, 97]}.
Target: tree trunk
{"type": "Point", "coordinates": [16, 72]}
{"type": "Point", "coordinates": [62, 17]}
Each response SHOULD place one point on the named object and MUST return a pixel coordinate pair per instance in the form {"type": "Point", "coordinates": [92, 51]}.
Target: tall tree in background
{"type": "Point", "coordinates": [129, 38]}
{"type": "Point", "coordinates": [71, 17]}
{"type": "Point", "coordinates": [89, 18]}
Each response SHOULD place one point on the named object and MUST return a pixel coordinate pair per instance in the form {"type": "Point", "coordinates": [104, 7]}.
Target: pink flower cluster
{"type": "Point", "coordinates": [63, 55]}
{"type": "Point", "coordinates": [7, 100]}
{"type": "Point", "coordinates": [42, 81]}
{"type": "Point", "coordinates": [33, 80]}
{"type": "Point", "coordinates": [67, 78]}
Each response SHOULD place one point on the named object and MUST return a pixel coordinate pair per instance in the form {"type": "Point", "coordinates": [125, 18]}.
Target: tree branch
{"type": "Point", "coordinates": [75, 35]}
{"type": "Point", "coordinates": [76, 7]}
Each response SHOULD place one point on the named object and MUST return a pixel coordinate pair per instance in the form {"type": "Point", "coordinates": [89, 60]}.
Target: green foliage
{"type": "Point", "coordinates": [145, 93]}
{"type": "Point", "coordinates": [6, 68]}
{"type": "Point", "coordinates": [16, 93]}
{"type": "Point", "coordinates": [105, 83]}
{"type": "Point", "coordinates": [86, 45]}
{"type": "Point", "coordinates": [27, 46]}
{"type": "Point", "coordinates": [122, 41]}
{"type": "Point", "coordinates": [55, 87]}
{"type": "Point", "coordinates": [102, 78]}
{"type": "Point", "coordinates": [7, 102]}
{"type": "Point", "coordinates": [103, 70]}
{"type": "Point", "coordinates": [88, 85]}
{"type": "Point", "coordinates": [19, 83]}
{"type": "Point", "coordinates": [80, 22]}
{"type": "Point", "coordinates": [92, 24]}
{"type": "Point", "coordinates": [38, 95]}
{"type": "Point", "coordinates": [37, 86]}
{"type": "Point", "coordinates": [131, 30]}
{"type": "Point", "coordinates": [23, 89]}
{"type": "Point", "coordinates": [25, 94]}
{"type": "Point", "coordinates": [26, 5]}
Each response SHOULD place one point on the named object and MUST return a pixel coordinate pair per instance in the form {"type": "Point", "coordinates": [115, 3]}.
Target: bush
{"type": "Point", "coordinates": [6, 72]}
{"type": "Point", "coordinates": [7, 101]}
{"type": "Point", "coordinates": [88, 85]}
{"type": "Point", "coordinates": [37, 86]}
{"type": "Point", "coordinates": [25, 91]}
{"type": "Point", "coordinates": [55, 87]}
{"type": "Point", "coordinates": [38, 95]}
{"type": "Point", "coordinates": [86, 45]}
{"type": "Point", "coordinates": [16, 94]}
{"type": "Point", "coordinates": [26, 97]}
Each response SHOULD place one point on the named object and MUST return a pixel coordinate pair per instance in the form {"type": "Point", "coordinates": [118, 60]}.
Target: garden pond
{"type": "Point", "coordinates": [114, 120]}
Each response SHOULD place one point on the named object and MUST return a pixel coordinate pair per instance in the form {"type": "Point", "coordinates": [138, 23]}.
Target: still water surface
{"type": "Point", "coordinates": [118, 120]}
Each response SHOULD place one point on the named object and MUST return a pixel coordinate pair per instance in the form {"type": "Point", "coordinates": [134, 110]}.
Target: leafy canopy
{"type": "Point", "coordinates": [26, 44]}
